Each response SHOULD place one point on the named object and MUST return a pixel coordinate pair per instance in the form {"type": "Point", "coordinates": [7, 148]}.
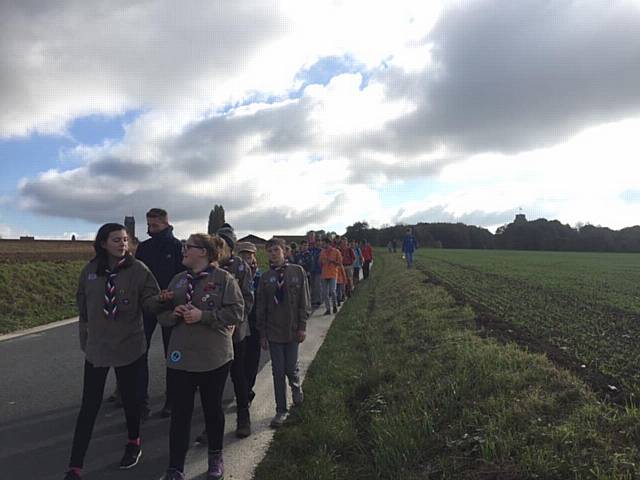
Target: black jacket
{"type": "Point", "coordinates": [162, 253]}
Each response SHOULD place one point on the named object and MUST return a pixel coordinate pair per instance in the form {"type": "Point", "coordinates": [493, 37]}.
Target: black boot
{"type": "Point", "coordinates": [243, 429]}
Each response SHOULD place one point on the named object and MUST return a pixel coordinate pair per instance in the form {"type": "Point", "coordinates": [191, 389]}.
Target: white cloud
{"type": "Point", "coordinates": [86, 57]}
{"type": "Point", "coordinates": [489, 97]}
{"type": "Point", "coordinates": [580, 180]}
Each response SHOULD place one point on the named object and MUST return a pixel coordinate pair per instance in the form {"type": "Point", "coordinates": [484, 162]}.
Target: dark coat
{"type": "Point", "coordinates": [162, 253]}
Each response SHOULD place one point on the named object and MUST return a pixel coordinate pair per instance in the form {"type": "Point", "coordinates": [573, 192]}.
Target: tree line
{"type": "Point", "coordinates": [540, 234]}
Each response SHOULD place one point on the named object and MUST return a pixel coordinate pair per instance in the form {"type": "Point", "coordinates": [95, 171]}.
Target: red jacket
{"type": "Point", "coordinates": [367, 253]}
{"type": "Point", "coordinates": [348, 256]}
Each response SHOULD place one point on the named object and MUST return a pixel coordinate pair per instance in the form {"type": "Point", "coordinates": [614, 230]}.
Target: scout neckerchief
{"type": "Point", "coordinates": [279, 296]}
{"type": "Point", "coordinates": [110, 306]}
{"type": "Point", "coordinates": [191, 278]}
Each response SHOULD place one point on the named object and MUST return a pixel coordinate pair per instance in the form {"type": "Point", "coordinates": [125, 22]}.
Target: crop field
{"type": "Point", "coordinates": [582, 309]}
{"type": "Point", "coordinates": [23, 251]}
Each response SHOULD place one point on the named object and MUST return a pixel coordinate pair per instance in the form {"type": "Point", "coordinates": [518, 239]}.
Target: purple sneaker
{"type": "Point", "coordinates": [216, 466]}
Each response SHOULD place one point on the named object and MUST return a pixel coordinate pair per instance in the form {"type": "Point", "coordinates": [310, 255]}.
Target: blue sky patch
{"type": "Point", "coordinates": [321, 72]}
{"type": "Point", "coordinates": [95, 129]}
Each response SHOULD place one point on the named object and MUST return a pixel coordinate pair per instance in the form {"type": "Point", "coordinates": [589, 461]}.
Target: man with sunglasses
{"type": "Point", "coordinates": [162, 253]}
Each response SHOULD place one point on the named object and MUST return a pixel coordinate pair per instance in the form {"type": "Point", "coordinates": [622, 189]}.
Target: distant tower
{"type": "Point", "coordinates": [130, 225]}
{"type": "Point", "coordinates": [520, 217]}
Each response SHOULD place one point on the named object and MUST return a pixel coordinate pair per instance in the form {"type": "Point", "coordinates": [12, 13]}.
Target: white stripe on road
{"type": "Point", "coordinates": [39, 329]}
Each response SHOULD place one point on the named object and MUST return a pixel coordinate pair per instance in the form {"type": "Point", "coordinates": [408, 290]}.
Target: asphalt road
{"type": "Point", "coordinates": [40, 393]}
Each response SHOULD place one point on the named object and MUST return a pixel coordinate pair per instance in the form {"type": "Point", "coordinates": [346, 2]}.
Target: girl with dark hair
{"type": "Point", "coordinates": [113, 290]}
{"type": "Point", "coordinates": [202, 304]}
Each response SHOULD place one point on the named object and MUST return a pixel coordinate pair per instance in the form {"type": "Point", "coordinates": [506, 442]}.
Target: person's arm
{"type": "Point", "coordinates": [246, 286]}
{"type": "Point", "coordinates": [304, 303]}
{"type": "Point", "coordinates": [231, 310]}
{"type": "Point", "coordinates": [149, 296]}
{"type": "Point", "coordinates": [165, 310]}
{"type": "Point", "coordinates": [83, 318]}
{"type": "Point", "coordinates": [261, 308]}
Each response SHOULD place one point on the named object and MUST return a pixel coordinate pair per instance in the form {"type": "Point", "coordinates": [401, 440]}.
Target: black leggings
{"type": "Point", "coordinates": [184, 384]}
{"type": "Point", "coordinates": [92, 393]}
{"type": "Point", "coordinates": [238, 375]}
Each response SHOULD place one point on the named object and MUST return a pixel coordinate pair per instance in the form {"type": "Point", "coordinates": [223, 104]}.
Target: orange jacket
{"type": "Point", "coordinates": [329, 260]}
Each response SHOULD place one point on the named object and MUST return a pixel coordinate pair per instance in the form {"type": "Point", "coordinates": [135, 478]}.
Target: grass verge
{"type": "Point", "coordinates": [403, 387]}
{"type": "Point", "coordinates": [37, 293]}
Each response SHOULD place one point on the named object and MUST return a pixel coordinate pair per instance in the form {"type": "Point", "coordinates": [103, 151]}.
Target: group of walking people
{"type": "Point", "coordinates": [217, 310]}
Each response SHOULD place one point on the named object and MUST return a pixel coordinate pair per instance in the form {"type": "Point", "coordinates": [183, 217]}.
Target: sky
{"type": "Point", "coordinates": [299, 115]}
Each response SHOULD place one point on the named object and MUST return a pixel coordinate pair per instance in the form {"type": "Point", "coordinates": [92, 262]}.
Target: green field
{"type": "Point", "coordinates": [405, 387]}
{"type": "Point", "coordinates": [583, 308]}
{"type": "Point", "coordinates": [34, 293]}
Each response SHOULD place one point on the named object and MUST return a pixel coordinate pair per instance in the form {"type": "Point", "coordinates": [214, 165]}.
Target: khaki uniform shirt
{"type": "Point", "coordinates": [280, 322]}
{"type": "Point", "coordinates": [241, 271]}
{"type": "Point", "coordinates": [205, 345]}
{"type": "Point", "coordinates": [119, 341]}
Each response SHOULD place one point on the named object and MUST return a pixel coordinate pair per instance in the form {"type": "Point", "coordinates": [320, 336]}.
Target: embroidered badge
{"type": "Point", "coordinates": [272, 280]}
{"type": "Point", "coordinates": [181, 283]}
{"type": "Point", "coordinates": [209, 286]}
{"type": "Point", "coordinates": [211, 304]}
{"type": "Point", "coordinates": [175, 356]}
{"type": "Point", "coordinates": [92, 276]}
{"type": "Point", "coordinates": [125, 301]}
{"type": "Point", "coordinates": [241, 268]}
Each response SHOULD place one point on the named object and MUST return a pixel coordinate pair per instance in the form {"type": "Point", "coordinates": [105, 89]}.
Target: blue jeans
{"type": "Point", "coordinates": [284, 363]}
{"type": "Point", "coordinates": [409, 257]}
{"type": "Point", "coordinates": [329, 292]}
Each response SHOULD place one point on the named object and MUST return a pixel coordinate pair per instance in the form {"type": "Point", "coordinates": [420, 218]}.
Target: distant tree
{"type": "Point", "coordinates": [357, 231]}
{"type": "Point", "coordinates": [73, 238]}
{"type": "Point", "coordinates": [216, 219]}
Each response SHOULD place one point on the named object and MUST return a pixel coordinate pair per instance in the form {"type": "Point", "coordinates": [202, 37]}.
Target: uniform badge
{"type": "Point", "coordinates": [125, 301]}
{"type": "Point", "coordinates": [272, 280]}
{"type": "Point", "coordinates": [168, 255]}
{"type": "Point", "coordinates": [211, 303]}
{"type": "Point", "coordinates": [175, 356]}
{"type": "Point", "coordinates": [92, 276]}
{"type": "Point", "coordinates": [209, 286]}
{"type": "Point", "coordinates": [205, 298]}
{"type": "Point", "coordinates": [241, 268]}
{"type": "Point", "coordinates": [181, 283]}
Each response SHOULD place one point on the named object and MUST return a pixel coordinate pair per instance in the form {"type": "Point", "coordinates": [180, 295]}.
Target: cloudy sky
{"type": "Point", "coordinates": [298, 115]}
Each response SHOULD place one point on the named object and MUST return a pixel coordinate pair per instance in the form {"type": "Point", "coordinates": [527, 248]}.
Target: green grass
{"type": "Point", "coordinates": [403, 387]}
{"type": "Point", "coordinates": [37, 293]}
{"type": "Point", "coordinates": [585, 304]}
